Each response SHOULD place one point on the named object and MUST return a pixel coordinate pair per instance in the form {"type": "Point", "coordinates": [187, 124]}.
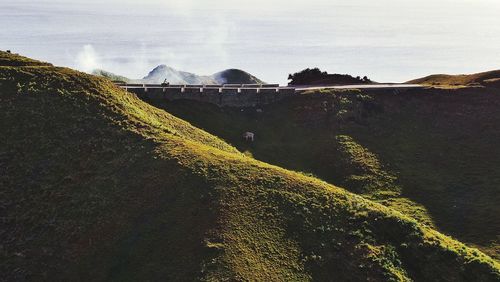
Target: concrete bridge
{"type": "Point", "coordinates": [243, 95]}
{"type": "Point", "coordinates": [233, 95]}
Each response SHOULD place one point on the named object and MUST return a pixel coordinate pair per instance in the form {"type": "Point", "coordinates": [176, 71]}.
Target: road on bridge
{"type": "Point", "coordinates": [357, 86]}
{"type": "Point", "coordinates": [306, 87]}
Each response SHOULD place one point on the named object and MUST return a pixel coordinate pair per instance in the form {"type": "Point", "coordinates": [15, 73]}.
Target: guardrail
{"type": "Point", "coordinates": [226, 88]}
{"type": "Point", "coordinates": [222, 95]}
{"type": "Point", "coordinates": [148, 85]}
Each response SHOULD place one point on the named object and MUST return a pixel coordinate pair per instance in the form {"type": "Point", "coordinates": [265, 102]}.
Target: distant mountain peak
{"type": "Point", "coordinates": [162, 67]}
{"type": "Point", "coordinates": [164, 72]}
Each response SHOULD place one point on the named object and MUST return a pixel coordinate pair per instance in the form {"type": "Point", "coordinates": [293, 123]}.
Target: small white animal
{"type": "Point", "coordinates": [249, 136]}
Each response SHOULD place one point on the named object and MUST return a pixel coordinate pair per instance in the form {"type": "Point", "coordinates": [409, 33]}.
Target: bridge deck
{"type": "Point", "coordinates": [271, 86]}
{"type": "Point", "coordinates": [244, 95]}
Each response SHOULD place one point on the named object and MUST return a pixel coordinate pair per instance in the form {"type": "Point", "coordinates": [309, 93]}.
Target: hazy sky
{"type": "Point", "coordinates": [388, 40]}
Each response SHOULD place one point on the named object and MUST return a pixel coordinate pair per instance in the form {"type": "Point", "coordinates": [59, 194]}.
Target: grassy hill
{"type": "Point", "coordinates": [483, 78]}
{"type": "Point", "coordinates": [431, 154]}
{"type": "Point", "coordinates": [96, 185]}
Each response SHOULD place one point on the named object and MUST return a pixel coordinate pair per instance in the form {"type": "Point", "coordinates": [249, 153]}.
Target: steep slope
{"type": "Point", "coordinates": [431, 154]}
{"type": "Point", "coordinates": [483, 78]}
{"type": "Point", "coordinates": [99, 186]}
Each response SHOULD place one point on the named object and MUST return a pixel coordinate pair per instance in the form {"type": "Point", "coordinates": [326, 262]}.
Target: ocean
{"type": "Point", "coordinates": [387, 40]}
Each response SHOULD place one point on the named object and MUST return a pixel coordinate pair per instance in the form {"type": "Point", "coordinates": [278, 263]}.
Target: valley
{"type": "Point", "coordinates": [427, 153]}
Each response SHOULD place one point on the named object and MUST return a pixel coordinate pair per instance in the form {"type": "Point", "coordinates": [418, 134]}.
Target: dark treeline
{"type": "Point", "coordinates": [315, 76]}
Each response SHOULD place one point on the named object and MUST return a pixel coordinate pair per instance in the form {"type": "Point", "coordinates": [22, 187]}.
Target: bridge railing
{"type": "Point", "coordinates": [173, 91]}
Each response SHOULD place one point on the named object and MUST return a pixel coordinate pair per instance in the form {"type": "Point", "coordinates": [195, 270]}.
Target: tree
{"type": "Point", "coordinates": [307, 76]}
{"type": "Point", "coordinates": [315, 76]}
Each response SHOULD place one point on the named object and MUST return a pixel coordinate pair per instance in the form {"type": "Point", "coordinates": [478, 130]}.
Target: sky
{"type": "Point", "coordinates": [387, 40]}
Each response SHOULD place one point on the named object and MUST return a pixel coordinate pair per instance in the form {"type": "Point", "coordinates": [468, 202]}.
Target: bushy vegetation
{"type": "Point", "coordinates": [99, 186]}
{"type": "Point", "coordinates": [315, 76]}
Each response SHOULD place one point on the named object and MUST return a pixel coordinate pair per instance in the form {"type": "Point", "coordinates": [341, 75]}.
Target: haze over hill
{"type": "Point", "coordinates": [111, 76]}
{"type": "Point", "coordinates": [101, 186]}
{"type": "Point", "coordinates": [164, 73]}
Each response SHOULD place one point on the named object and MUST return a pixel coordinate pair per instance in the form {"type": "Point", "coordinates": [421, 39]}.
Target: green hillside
{"type": "Point", "coordinates": [431, 154]}
{"type": "Point", "coordinates": [483, 78]}
{"type": "Point", "coordinates": [99, 186]}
